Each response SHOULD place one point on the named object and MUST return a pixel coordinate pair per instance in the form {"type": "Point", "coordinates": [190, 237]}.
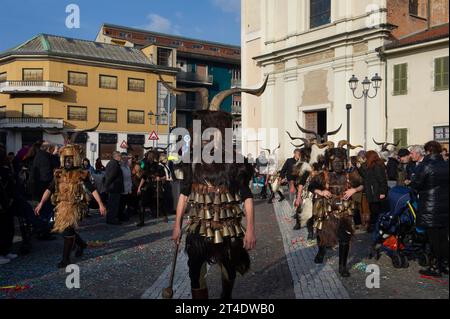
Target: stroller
{"type": "Point", "coordinates": [396, 233]}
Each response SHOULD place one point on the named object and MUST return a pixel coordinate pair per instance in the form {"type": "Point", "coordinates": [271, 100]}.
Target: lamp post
{"type": "Point", "coordinates": [349, 108]}
{"type": "Point", "coordinates": [353, 82]}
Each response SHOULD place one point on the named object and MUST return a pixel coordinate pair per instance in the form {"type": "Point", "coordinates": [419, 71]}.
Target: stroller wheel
{"type": "Point", "coordinates": [423, 260]}
{"type": "Point", "coordinates": [405, 262]}
{"type": "Point", "coordinates": [397, 260]}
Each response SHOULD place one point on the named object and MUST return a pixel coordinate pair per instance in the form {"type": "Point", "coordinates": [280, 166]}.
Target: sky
{"type": "Point", "coordinates": [212, 20]}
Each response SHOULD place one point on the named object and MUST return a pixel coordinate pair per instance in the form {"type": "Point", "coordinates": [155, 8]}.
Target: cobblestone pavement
{"type": "Point", "coordinates": [131, 262]}
{"type": "Point", "coordinates": [311, 281]}
{"type": "Point", "coordinates": [126, 261]}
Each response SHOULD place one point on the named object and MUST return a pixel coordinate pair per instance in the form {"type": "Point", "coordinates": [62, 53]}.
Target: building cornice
{"type": "Point", "coordinates": [125, 66]}
{"type": "Point", "coordinates": [333, 41]}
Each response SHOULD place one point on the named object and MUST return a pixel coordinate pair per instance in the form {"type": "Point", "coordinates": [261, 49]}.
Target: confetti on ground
{"type": "Point", "coordinates": [443, 282]}
{"type": "Point", "coordinates": [96, 244]}
{"type": "Point", "coordinates": [360, 266]}
{"type": "Point", "coordinates": [15, 288]}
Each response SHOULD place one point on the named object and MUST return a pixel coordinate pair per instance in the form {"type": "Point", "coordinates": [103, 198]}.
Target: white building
{"type": "Point", "coordinates": [417, 99]}
{"type": "Point", "coordinates": [310, 49]}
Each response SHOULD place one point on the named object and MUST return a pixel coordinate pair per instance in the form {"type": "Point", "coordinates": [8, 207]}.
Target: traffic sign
{"type": "Point", "coordinates": [124, 145]}
{"type": "Point", "coordinates": [153, 137]}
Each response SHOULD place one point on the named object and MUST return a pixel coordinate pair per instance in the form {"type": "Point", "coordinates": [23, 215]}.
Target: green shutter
{"type": "Point", "coordinates": [404, 79]}
{"type": "Point", "coordinates": [396, 79]}
{"type": "Point", "coordinates": [400, 79]}
{"type": "Point", "coordinates": [441, 73]}
{"type": "Point", "coordinates": [401, 135]}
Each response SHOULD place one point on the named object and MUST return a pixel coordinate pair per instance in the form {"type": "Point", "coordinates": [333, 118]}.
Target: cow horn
{"type": "Point", "coordinates": [331, 133]}
{"type": "Point", "coordinates": [377, 143]}
{"type": "Point", "coordinates": [328, 144]}
{"type": "Point", "coordinates": [279, 146]}
{"type": "Point", "coordinates": [75, 135]}
{"type": "Point", "coordinates": [62, 133]}
{"type": "Point", "coordinates": [350, 146]}
{"type": "Point", "coordinates": [305, 131]}
{"type": "Point", "coordinates": [298, 146]}
{"type": "Point", "coordinates": [219, 98]}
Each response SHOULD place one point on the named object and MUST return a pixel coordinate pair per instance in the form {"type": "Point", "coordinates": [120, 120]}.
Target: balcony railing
{"type": "Point", "coordinates": [31, 122]}
{"type": "Point", "coordinates": [236, 109]}
{"type": "Point", "coordinates": [33, 87]}
{"type": "Point", "coordinates": [195, 78]}
{"type": "Point", "coordinates": [235, 83]}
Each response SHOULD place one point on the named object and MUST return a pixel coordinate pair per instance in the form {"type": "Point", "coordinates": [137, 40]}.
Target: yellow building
{"type": "Point", "coordinates": [53, 82]}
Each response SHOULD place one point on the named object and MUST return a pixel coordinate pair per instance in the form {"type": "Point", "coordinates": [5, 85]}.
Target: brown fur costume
{"type": "Point", "coordinates": [70, 198]}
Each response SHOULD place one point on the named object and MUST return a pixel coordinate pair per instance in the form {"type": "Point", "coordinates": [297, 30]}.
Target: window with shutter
{"type": "Point", "coordinates": [441, 74]}
{"type": "Point", "coordinates": [401, 79]}
{"type": "Point", "coordinates": [401, 135]}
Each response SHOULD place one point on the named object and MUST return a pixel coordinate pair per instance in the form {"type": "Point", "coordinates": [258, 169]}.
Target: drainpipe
{"type": "Point", "coordinates": [383, 58]}
{"type": "Point", "coordinates": [428, 15]}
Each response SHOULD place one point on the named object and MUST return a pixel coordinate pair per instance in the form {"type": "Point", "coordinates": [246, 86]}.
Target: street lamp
{"type": "Point", "coordinates": [353, 83]}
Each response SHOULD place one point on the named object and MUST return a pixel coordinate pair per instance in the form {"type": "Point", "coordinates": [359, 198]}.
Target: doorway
{"type": "Point", "coordinates": [316, 121]}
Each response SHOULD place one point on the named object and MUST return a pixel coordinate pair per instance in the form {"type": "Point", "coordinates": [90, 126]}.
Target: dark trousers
{"type": "Point", "coordinates": [124, 207]}
{"type": "Point", "coordinates": [113, 208]}
{"type": "Point", "coordinates": [167, 199]}
{"type": "Point", "coordinates": [42, 224]}
{"type": "Point", "coordinates": [6, 231]}
{"type": "Point", "coordinates": [376, 209]}
{"type": "Point", "coordinates": [438, 239]}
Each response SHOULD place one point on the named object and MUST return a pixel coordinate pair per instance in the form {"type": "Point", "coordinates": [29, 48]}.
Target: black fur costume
{"type": "Point", "coordinates": [215, 236]}
{"type": "Point", "coordinates": [333, 218]}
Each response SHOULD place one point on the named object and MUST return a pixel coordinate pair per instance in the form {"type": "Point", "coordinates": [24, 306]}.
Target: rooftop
{"type": "Point", "coordinates": [52, 45]}
{"type": "Point", "coordinates": [432, 34]}
{"type": "Point", "coordinates": [174, 37]}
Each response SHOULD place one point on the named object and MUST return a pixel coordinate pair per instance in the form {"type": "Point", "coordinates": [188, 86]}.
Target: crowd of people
{"type": "Point", "coordinates": [128, 186]}
{"type": "Point", "coordinates": [366, 179]}
{"type": "Point", "coordinates": [132, 186]}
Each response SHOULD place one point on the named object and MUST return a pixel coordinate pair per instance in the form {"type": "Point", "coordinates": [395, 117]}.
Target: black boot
{"type": "Point", "coordinates": [297, 222]}
{"type": "Point", "coordinates": [282, 197]}
{"type": "Point", "coordinates": [25, 232]}
{"type": "Point", "coordinates": [272, 197]}
{"type": "Point", "coordinates": [141, 217]}
{"type": "Point", "coordinates": [68, 246]}
{"type": "Point", "coordinates": [81, 246]}
{"type": "Point", "coordinates": [227, 289]}
{"type": "Point", "coordinates": [344, 248]}
{"type": "Point", "coordinates": [200, 293]}
{"type": "Point", "coordinates": [434, 269]}
{"type": "Point", "coordinates": [320, 255]}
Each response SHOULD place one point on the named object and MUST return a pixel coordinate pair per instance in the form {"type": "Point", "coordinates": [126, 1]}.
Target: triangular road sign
{"type": "Point", "coordinates": [153, 137]}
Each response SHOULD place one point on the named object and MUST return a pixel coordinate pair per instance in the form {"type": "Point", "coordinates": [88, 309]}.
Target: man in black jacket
{"type": "Point", "coordinates": [287, 173]}
{"type": "Point", "coordinates": [431, 184]}
{"type": "Point", "coordinates": [114, 188]}
{"type": "Point", "coordinates": [42, 169]}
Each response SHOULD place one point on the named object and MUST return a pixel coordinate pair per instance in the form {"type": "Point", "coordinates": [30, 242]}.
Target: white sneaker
{"type": "Point", "coordinates": [11, 256]}
{"type": "Point", "coordinates": [4, 260]}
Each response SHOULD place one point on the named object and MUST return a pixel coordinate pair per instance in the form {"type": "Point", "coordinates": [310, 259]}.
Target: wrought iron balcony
{"type": "Point", "coordinates": [31, 87]}
{"type": "Point", "coordinates": [236, 109]}
{"type": "Point", "coordinates": [235, 83]}
{"type": "Point", "coordinates": [190, 77]}
{"type": "Point", "coordinates": [31, 122]}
